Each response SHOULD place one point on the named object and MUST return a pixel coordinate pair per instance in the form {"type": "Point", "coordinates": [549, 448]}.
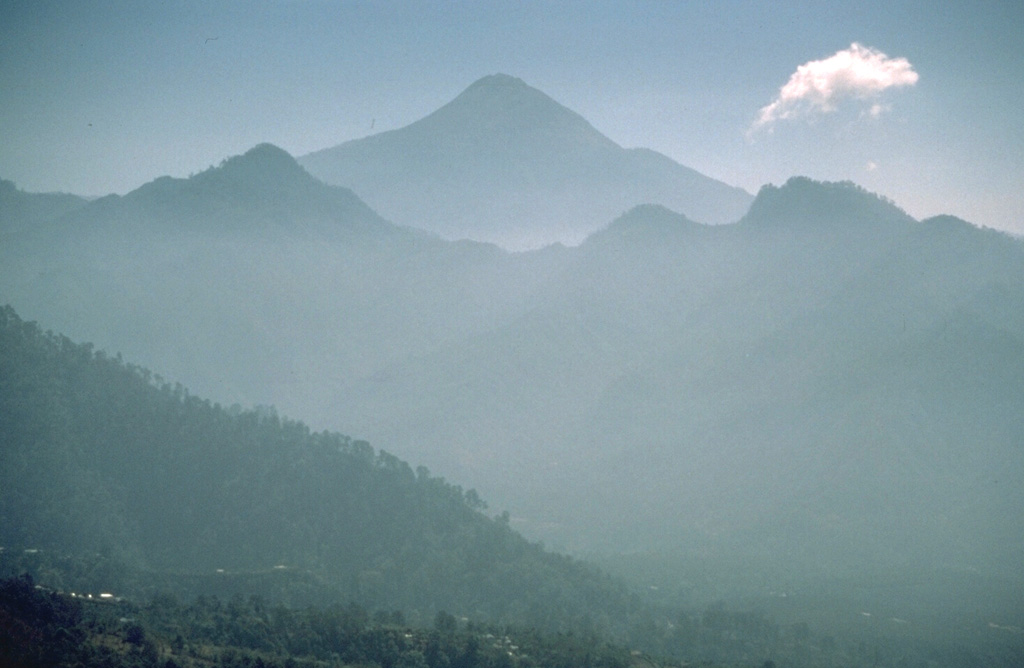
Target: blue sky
{"type": "Point", "coordinates": [103, 97]}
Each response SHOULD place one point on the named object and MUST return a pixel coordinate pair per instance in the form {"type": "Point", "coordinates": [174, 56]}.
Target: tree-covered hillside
{"type": "Point", "coordinates": [826, 389]}
{"type": "Point", "coordinates": [101, 456]}
{"type": "Point", "coordinates": [40, 627]}
{"type": "Point", "coordinates": [221, 526]}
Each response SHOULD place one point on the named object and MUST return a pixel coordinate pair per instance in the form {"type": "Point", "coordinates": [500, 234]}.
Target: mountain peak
{"type": "Point", "coordinates": [499, 106]}
{"type": "Point", "coordinates": [505, 163]}
{"type": "Point", "coordinates": [263, 188]}
{"type": "Point", "coordinates": [264, 164]}
{"type": "Point", "coordinates": [263, 173]}
{"type": "Point", "coordinates": [653, 222]}
{"type": "Point", "coordinates": [498, 80]}
{"type": "Point", "coordinates": [504, 87]}
{"type": "Point", "coordinates": [804, 201]}
{"type": "Point", "coordinates": [266, 151]}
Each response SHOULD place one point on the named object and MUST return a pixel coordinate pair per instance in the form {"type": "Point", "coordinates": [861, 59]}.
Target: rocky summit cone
{"type": "Point", "coordinates": [503, 162]}
{"type": "Point", "coordinates": [501, 108]}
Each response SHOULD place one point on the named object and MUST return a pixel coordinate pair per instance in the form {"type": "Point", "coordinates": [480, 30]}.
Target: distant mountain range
{"type": "Point", "coordinates": [505, 163]}
{"type": "Point", "coordinates": [825, 385]}
{"type": "Point", "coordinates": [20, 208]}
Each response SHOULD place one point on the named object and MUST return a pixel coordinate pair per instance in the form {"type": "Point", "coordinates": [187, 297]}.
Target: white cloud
{"type": "Point", "coordinates": [877, 110]}
{"type": "Point", "coordinates": [859, 73]}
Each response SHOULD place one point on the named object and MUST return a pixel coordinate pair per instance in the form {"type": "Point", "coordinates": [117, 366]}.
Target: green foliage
{"type": "Point", "coordinates": [250, 633]}
{"type": "Point", "coordinates": [103, 457]}
{"type": "Point", "coordinates": [44, 628]}
{"type": "Point", "coordinates": [37, 628]}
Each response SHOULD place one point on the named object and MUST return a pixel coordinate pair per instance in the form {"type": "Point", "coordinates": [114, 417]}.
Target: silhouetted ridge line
{"type": "Point", "coordinates": [804, 201]}
{"type": "Point", "coordinates": [104, 456]}
{"type": "Point", "coordinates": [651, 222]}
{"type": "Point", "coordinates": [505, 163]}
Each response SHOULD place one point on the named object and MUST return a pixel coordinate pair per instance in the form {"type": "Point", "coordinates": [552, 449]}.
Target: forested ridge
{"type": "Point", "coordinates": [236, 537]}
{"type": "Point", "coordinates": [39, 627]}
{"type": "Point", "coordinates": [727, 372]}
{"type": "Point", "coordinates": [43, 627]}
{"type": "Point", "coordinates": [104, 457]}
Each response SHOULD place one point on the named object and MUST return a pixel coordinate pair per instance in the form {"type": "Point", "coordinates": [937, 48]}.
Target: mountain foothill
{"type": "Point", "coordinates": [627, 356]}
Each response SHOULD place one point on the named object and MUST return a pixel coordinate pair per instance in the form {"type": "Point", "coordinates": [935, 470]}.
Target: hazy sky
{"type": "Point", "coordinates": [927, 108]}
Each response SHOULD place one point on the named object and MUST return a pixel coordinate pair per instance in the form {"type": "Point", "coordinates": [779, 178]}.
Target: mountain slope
{"type": "Point", "coordinates": [822, 380]}
{"type": "Point", "coordinates": [100, 457]}
{"type": "Point", "coordinates": [19, 210]}
{"type": "Point", "coordinates": [248, 279]}
{"type": "Point", "coordinates": [262, 191]}
{"type": "Point", "coordinates": [828, 379]}
{"type": "Point", "coordinates": [505, 163]}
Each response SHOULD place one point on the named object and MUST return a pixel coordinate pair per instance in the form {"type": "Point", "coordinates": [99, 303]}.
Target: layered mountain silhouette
{"type": "Point", "coordinates": [505, 163]}
{"type": "Point", "coordinates": [827, 379]}
{"type": "Point", "coordinates": [133, 485]}
{"type": "Point", "coordinates": [18, 207]}
{"type": "Point", "coordinates": [264, 190]}
{"type": "Point", "coordinates": [259, 249]}
{"type": "Point", "coordinates": [790, 378]}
